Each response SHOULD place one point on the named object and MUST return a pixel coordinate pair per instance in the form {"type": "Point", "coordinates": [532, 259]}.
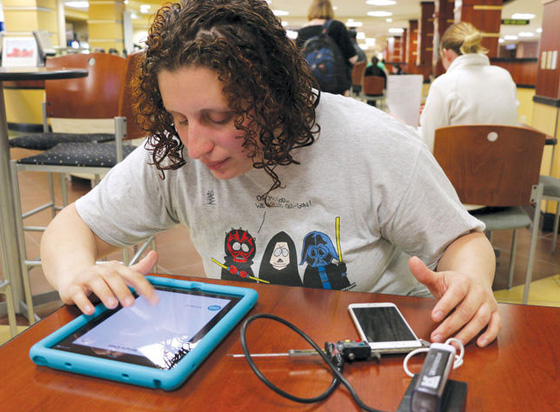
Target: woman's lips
{"type": "Point", "coordinates": [215, 165]}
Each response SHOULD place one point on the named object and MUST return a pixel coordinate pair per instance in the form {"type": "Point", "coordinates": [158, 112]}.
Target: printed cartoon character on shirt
{"type": "Point", "coordinates": [279, 262]}
{"type": "Point", "coordinates": [240, 250]}
{"type": "Point", "coordinates": [319, 253]}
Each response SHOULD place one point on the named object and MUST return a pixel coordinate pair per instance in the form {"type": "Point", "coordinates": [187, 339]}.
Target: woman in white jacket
{"type": "Point", "coordinates": [471, 91]}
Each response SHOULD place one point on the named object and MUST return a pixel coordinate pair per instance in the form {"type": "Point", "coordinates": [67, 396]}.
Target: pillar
{"type": "Point", "coordinates": [425, 39]}
{"type": "Point", "coordinates": [444, 17]}
{"type": "Point", "coordinates": [404, 45]}
{"type": "Point", "coordinates": [105, 25]}
{"type": "Point", "coordinates": [411, 47]}
{"type": "Point", "coordinates": [486, 16]}
{"type": "Point", "coordinates": [394, 49]}
{"type": "Point", "coordinates": [22, 17]}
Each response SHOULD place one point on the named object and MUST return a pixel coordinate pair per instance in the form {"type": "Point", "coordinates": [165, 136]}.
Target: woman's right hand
{"type": "Point", "coordinates": [109, 282]}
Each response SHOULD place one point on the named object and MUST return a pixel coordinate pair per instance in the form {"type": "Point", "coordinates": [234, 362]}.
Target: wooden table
{"type": "Point", "coordinates": [519, 372]}
{"type": "Point", "coordinates": [11, 253]}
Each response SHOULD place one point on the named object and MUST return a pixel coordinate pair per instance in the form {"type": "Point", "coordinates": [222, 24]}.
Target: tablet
{"type": "Point", "coordinates": [156, 346]}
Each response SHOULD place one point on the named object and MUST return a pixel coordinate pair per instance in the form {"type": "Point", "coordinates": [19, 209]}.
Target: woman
{"type": "Point", "coordinates": [320, 15]}
{"type": "Point", "coordinates": [471, 91]}
{"type": "Point", "coordinates": [241, 149]}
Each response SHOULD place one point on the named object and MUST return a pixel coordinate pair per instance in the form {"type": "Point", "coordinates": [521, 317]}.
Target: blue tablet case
{"type": "Point", "coordinates": [43, 354]}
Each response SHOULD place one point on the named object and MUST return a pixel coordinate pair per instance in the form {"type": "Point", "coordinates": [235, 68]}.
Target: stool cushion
{"type": "Point", "coordinates": [45, 141]}
{"type": "Point", "coordinates": [503, 218]}
{"type": "Point", "coordinates": [79, 154]}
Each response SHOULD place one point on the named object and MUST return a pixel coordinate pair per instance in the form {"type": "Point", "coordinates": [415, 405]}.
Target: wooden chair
{"type": "Point", "coordinates": [93, 97]}
{"type": "Point", "coordinates": [374, 88]}
{"type": "Point", "coordinates": [496, 166]}
{"type": "Point", "coordinates": [357, 77]}
{"type": "Point", "coordinates": [88, 157]}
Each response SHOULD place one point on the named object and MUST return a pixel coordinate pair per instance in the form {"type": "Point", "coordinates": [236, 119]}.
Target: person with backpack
{"type": "Point", "coordinates": [327, 48]}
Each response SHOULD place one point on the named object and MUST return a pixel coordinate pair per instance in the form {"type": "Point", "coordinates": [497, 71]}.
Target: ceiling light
{"type": "Point", "coordinates": [77, 4]}
{"type": "Point", "coordinates": [389, 20]}
{"type": "Point", "coordinates": [510, 37]}
{"type": "Point", "coordinates": [352, 23]}
{"type": "Point", "coordinates": [360, 35]}
{"type": "Point", "coordinates": [539, 30]}
{"type": "Point", "coordinates": [396, 30]}
{"type": "Point", "coordinates": [280, 13]}
{"type": "Point", "coordinates": [379, 13]}
{"type": "Point", "coordinates": [145, 8]}
{"type": "Point", "coordinates": [526, 34]}
{"type": "Point", "coordinates": [381, 2]}
{"type": "Point", "coordinates": [522, 16]}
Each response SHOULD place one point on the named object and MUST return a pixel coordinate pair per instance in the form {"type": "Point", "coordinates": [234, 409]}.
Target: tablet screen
{"type": "Point", "coordinates": [156, 336]}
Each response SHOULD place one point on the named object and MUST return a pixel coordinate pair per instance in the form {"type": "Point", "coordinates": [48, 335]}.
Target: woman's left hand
{"type": "Point", "coordinates": [466, 305]}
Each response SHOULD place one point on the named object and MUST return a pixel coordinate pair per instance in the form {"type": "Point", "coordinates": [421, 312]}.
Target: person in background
{"type": "Point", "coordinates": [275, 180]}
{"type": "Point", "coordinates": [471, 91]}
{"type": "Point", "coordinates": [319, 12]}
{"type": "Point", "coordinates": [374, 70]}
{"type": "Point", "coordinates": [397, 69]}
{"type": "Point", "coordinates": [353, 38]}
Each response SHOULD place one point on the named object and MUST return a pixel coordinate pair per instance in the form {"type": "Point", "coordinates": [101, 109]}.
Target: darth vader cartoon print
{"type": "Point", "coordinates": [279, 263]}
{"type": "Point", "coordinates": [240, 250]}
{"type": "Point", "coordinates": [319, 253]}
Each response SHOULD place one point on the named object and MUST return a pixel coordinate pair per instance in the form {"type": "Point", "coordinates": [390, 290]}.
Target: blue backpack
{"type": "Point", "coordinates": [326, 62]}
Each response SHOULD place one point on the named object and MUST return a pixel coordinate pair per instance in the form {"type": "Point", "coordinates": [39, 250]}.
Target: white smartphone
{"type": "Point", "coordinates": [383, 327]}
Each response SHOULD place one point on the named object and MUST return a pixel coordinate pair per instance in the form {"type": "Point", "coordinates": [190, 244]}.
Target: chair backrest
{"type": "Point", "coordinates": [374, 85]}
{"type": "Point", "coordinates": [133, 62]}
{"type": "Point", "coordinates": [93, 97]}
{"type": "Point", "coordinates": [358, 71]}
{"type": "Point", "coordinates": [490, 165]}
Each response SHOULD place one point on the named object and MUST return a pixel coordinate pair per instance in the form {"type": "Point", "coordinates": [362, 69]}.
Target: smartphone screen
{"type": "Point", "coordinates": [383, 326]}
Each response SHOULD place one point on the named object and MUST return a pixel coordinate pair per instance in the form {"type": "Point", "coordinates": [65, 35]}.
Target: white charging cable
{"type": "Point", "coordinates": [458, 357]}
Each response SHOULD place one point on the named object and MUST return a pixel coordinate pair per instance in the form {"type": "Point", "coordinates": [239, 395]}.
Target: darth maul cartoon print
{"type": "Point", "coordinates": [240, 250]}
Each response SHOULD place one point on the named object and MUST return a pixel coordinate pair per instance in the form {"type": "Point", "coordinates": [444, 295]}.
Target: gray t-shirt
{"type": "Point", "coordinates": [365, 197]}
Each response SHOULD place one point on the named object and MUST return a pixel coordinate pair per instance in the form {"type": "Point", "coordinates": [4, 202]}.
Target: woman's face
{"type": "Point", "coordinates": [204, 121]}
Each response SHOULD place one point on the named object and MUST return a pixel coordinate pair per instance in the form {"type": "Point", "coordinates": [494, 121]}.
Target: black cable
{"type": "Point", "coordinates": [334, 384]}
{"type": "Point", "coordinates": [338, 378]}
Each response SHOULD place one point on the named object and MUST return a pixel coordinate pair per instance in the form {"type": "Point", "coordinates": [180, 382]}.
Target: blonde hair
{"type": "Point", "coordinates": [462, 38]}
{"type": "Point", "coordinates": [320, 9]}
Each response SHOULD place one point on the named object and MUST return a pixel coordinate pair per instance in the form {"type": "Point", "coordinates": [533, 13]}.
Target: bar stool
{"type": "Point", "coordinates": [94, 159]}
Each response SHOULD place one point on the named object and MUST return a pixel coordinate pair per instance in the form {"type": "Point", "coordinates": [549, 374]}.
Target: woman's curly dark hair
{"type": "Point", "coordinates": [267, 82]}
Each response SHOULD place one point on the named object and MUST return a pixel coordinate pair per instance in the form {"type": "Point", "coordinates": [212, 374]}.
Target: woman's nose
{"type": "Point", "coordinates": [198, 141]}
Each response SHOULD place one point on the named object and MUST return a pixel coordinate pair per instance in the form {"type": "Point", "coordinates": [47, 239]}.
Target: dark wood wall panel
{"type": "Point", "coordinates": [523, 71]}
{"type": "Point", "coordinates": [548, 79]}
